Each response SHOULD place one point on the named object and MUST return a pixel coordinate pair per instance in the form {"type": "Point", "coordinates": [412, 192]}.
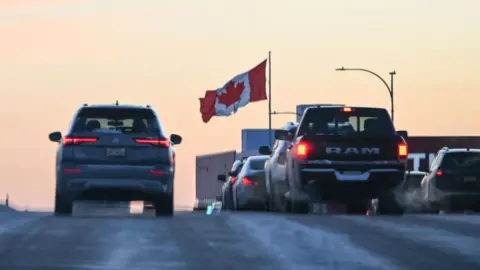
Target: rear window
{"type": "Point", "coordinates": [257, 164]}
{"type": "Point", "coordinates": [335, 121]}
{"type": "Point", "coordinates": [461, 162]}
{"type": "Point", "coordinates": [117, 120]}
{"type": "Point", "coordinates": [236, 168]}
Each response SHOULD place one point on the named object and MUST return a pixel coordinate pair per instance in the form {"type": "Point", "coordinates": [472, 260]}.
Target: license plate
{"type": "Point", "coordinates": [470, 179]}
{"type": "Point", "coordinates": [116, 152]}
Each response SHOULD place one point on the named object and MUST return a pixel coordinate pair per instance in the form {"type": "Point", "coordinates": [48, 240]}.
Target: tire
{"type": "Point", "coordinates": [148, 207]}
{"type": "Point", "coordinates": [388, 205]}
{"type": "Point", "coordinates": [356, 208]}
{"type": "Point", "coordinates": [476, 206]}
{"type": "Point", "coordinates": [271, 205]}
{"type": "Point", "coordinates": [296, 208]}
{"type": "Point", "coordinates": [63, 207]}
{"type": "Point", "coordinates": [164, 207]}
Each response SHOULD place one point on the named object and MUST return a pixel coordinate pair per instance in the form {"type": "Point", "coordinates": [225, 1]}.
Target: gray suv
{"type": "Point", "coordinates": [115, 153]}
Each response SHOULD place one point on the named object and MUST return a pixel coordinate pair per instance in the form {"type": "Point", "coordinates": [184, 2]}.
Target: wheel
{"type": "Point", "coordinates": [164, 207]}
{"type": "Point", "coordinates": [63, 207]}
{"type": "Point", "coordinates": [229, 200]}
{"type": "Point", "coordinates": [271, 206]}
{"type": "Point", "coordinates": [476, 207]}
{"type": "Point", "coordinates": [388, 205]}
{"type": "Point", "coordinates": [301, 208]}
{"type": "Point", "coordinates": [148, 206]}
{"type": "Point", "coordinates": [234, 201]}
{"type": "Point", "coordinates": [356, 208]}
{"type": "Point", "coordinates": [296, 207]}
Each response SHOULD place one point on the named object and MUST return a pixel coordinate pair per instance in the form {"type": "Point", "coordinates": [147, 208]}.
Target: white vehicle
{"type": "Point", "coordinates": [276, 171]}
{"type": "Point", "coordinates": [249, 192]}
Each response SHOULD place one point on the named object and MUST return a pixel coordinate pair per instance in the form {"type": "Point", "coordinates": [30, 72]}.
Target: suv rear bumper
{"type": "Point", "coordinates": [116, 189]}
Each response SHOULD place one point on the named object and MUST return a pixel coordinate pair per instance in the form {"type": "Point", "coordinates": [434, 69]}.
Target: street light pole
{"type": "Point", "coordinates": [389, 87]}
{"type": "Point", "coordinates": [392, 74]}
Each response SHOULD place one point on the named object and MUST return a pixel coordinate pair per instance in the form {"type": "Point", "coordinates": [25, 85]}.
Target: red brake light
{"type": "Point", "coordinates": [402, 150]}
{"type": "Point", "coordinates": [234, 179]}
{"type": "Point", "coordinates": [347, 109]}
{"type": "Point", "coordinates": [71, 170]}
{"type": "Point", "coordinates": [439, 173]}
{"type": "Point", "coordinates": [157, 172]}
{"type": "Point", "coordinates": [159, 142]}
{"type": "Point", "coordinates": [302, 149]}
{"type": "Point", "coordinates": [77, 140]}
{"type": "Point", "coordinates": [247, 182]}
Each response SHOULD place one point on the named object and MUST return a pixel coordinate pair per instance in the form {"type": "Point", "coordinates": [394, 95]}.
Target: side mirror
{"type": "Point", "coordinates": [283, 135]}
{"type": "Point", "coordinates": [55, 136]}
{"type": "Point", "coordinates": [403, 133]}
{"type": "Point", "coordinates": [265, 150]}
{"type": "Point", "coordinates": [221, 177]}
{"type": "Point", "coordinates": [176, 139]}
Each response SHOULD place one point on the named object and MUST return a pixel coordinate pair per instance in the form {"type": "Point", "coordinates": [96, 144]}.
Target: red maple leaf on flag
{"type": "Point", "coordinates": [233, 93]}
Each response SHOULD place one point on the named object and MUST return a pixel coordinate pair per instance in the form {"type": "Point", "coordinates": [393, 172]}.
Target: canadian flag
{"type": "Point", "coordinates": [236, 93]}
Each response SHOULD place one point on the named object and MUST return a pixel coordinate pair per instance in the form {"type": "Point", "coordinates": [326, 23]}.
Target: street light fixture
{"type": "Point", "coordinates": [389, 87]}
{"type": "Point", "coordinates": [276, 113]}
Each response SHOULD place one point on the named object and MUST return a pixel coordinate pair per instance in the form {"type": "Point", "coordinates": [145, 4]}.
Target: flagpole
{"type": "Point", "coordinates": [270, 98]}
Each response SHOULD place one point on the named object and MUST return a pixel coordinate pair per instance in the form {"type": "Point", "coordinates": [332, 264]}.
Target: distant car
{"type": "Point", "coordinates": [227, 199]}
{"type": "Point", "coordinates": [249, 190]}
{"type": "Point", "coordinates": [410, 194]}
{"type": "Point", "coordinates": [453, 181]}
{"type": "Point", "coordinates": [115, 153]}
{"type": "Point", "coordinates": [275, 170]}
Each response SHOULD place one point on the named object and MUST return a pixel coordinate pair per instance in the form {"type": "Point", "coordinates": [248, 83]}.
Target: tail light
{"type": "Point", "coordinates": [71, 170]}
{"type": "Point", "coordinates": [234, 179]}
{"type": "Point", "coordinates": [402, 150]}
{"type": "Point", "coordinates": [157, 172]}
{"type": "Point", "coordinates": [157, 142]}
{"type": "Point", "coordinates": [248, 182]}
{"type": "Point", "coordinates": [78, 140]}
{"type": "Point", "coordinates": [439, 173]}
{"type": "Point", "coordinates": [302, 149]}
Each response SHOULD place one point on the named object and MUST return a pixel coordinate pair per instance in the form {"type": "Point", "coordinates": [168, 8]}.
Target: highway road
{"type": "Point", "coordinates": [239, 241]}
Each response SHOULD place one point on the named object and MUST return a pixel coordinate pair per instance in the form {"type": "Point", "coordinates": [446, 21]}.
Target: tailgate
{"type": "Point", "coordinates": [353, 148]}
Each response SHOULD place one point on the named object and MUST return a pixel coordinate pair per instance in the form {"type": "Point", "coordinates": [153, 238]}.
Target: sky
{"type": "Point", "coordinates": [56, 55]}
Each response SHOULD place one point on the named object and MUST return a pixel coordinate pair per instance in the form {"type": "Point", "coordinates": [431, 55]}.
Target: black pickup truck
{"type": "Point", "coordinates": [348, 155]}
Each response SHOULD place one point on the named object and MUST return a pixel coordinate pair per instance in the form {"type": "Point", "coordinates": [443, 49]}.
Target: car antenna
{"type": "Point", "coordinates": [116, 103]}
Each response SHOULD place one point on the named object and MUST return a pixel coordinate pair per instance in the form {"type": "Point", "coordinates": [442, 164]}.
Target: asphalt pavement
{"type": "Point", "coordinates": [239, 241]}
